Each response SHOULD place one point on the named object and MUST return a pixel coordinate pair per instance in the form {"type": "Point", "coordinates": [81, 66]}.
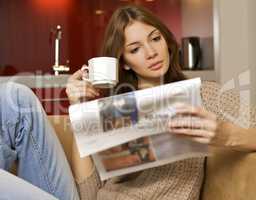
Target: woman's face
{"type": "Point", "coordinates": [145, 51]}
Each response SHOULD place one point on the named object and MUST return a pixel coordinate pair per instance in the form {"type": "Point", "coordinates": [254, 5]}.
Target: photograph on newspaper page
{"type": "Point", "coordinates": [145, 153]}
{"type": "Point", "coordinates": [132, 153]}
{"type": "Point", "coordinates": [118, 111]}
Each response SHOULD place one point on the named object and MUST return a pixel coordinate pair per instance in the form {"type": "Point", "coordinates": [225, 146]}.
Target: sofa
{"type": "Point", "coordinates": [229, 175]}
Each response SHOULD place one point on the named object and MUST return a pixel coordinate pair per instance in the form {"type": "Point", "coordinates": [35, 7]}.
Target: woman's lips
{"type": "Point", "coordinates": [156, 66]}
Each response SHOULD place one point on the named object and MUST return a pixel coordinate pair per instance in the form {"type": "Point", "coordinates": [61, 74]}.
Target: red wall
{"type": "Point", "coordinates": [26, 42]}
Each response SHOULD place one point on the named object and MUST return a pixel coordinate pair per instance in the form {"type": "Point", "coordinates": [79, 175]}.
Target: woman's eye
{"type": "Point", "coordinates": [134, 50]}
{"type": "Point", "coordinates": [157, 38]}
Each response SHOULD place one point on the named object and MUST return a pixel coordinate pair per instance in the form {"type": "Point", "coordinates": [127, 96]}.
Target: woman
{"type": "Point", "coordinates": [148, 56]}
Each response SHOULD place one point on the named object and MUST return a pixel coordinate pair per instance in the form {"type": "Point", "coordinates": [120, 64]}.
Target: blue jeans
{"type": "Point", "coordinates": [27, 137]}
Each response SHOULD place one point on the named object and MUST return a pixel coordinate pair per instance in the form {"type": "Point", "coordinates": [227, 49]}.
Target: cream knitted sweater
{"type": "Point", "coordinates": [181, 180]}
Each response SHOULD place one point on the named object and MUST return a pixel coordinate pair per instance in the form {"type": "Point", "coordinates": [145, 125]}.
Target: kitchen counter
{"type": "Point", "coordinates": [49, 89]}
{"type": "Point", "coordinates": [38, 81]}
{"type": "Point", "coordinates": [52, 81]}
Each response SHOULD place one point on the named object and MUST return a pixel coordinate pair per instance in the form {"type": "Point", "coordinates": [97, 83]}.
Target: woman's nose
{"type": "Point", "coordinates": [150, 51]}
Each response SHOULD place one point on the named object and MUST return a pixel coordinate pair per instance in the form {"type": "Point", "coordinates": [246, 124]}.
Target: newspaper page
{"type": "Point", "coordinates": [144, 153]}
{"type": "Point", "coordinates": [133, 120]}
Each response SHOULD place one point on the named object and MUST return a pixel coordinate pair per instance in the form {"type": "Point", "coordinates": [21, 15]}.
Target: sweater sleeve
{"type": "Point", "coordinates": [89, 187]}
{"type": "Point", "coordinates": [228, 105]}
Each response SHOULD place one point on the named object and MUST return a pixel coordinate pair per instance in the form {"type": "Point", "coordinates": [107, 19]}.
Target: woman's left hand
{"type": "Point", "coordinates": [194, 123]}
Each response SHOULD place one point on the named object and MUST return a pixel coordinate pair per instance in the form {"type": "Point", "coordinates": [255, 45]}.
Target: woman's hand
{"type": "Point", "coordinates": [202, 126]}
{"type": "Point", "coordinates": [195, 123]}
{"type": "Point", "coordinates": [79, 90]}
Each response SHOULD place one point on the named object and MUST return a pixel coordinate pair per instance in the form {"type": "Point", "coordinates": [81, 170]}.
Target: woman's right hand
{"type": "Point", "coordinates": [79, 90]}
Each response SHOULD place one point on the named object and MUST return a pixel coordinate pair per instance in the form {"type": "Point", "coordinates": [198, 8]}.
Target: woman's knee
{"type": "Point", "coordinates": [16, 96]}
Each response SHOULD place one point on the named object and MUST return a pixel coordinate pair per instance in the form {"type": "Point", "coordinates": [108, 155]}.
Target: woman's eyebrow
{"type": "Point", "coordinates": [151, 33]}
{"type": "Point", "coordinates": [132, 43]}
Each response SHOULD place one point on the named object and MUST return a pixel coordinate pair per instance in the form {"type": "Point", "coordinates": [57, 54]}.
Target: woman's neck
{"type": "Point", "coordinates": [148, 83]}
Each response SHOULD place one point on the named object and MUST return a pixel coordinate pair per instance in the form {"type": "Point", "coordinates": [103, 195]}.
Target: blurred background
{"type": "Point", "coordinates": [216, 37]}
{"type": "Point", "coordinates": [28, 29]}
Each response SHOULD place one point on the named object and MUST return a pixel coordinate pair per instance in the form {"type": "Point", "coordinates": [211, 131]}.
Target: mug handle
{"type": "Point", "coordinates": [84, 67]}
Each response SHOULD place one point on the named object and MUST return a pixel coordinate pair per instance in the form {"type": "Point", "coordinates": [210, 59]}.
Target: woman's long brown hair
{"type": "Point", "coordinates": [113, 44]}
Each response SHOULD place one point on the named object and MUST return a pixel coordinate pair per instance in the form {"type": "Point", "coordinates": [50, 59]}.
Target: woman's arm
{"type": "Point", "coordinates": [84, 172]}
{"type": "Point", "coordinates": [86, 176]}
{"type": "Point", "coordinates": [81, 167]}
{"type": "Point", "coordinates": [235, 137]}
{"type": "Point", "coordinates": [77, 91]}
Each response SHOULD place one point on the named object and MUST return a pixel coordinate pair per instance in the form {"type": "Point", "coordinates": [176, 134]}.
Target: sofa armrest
{"type": "Point", "coordinates": [62, 126]}
{"type": "Point", "coordinates": [81, 168]}
{"type": "Point", "coordinates": [230, 175]}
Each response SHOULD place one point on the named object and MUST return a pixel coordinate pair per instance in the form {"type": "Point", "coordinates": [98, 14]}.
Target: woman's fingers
{"type": "Point", "coordinates": [85, 74]}
{"type": "Point", "coordinates": [195, 111]}
{"type": "Point", "coordinates": [83, 87]}
{"type": "Point", "coordinates": [77, 75]}
{"type": "Point", "coordinates": [78, 89]}
{"type": "Point", "coordinates": [204, 137]}
{"type": "Point", "coordinates": [203, 140]}
{"type": "Point", "coordinates": [194, 132]}
{"type": "Point", "coordinates": [192, 123]}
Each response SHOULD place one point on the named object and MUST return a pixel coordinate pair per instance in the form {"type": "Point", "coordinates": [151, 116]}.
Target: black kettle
{"type": "Point", "coordinates": [190, 55]}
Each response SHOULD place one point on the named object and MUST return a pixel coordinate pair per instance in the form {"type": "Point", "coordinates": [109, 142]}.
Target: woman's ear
{"type": "Point", "coordinates": [126, 67]}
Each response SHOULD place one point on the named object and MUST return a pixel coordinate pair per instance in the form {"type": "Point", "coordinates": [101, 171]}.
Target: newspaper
{"type": "Point", "coordinates": [128, 132]}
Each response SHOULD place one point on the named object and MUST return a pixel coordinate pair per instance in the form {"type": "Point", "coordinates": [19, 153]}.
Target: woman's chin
{"type": "Point", "coordinates": [158, 74]}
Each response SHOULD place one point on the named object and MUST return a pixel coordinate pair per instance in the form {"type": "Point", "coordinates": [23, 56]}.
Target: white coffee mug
{"type": "Point", "coordinates": [102, 72]}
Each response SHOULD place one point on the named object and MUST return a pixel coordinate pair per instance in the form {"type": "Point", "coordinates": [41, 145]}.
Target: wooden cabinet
{"type": "Point", "coordinates": [53, 100]}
